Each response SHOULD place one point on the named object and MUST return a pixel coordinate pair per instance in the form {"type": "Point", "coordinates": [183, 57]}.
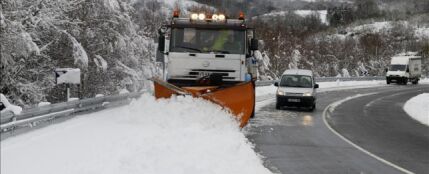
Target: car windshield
{"type": "Point", "coordinates": [397, 67]}
{"type": "Point", "coordinates": [207, 41]}
{"type": "Point", "coordinates": [300, 81]}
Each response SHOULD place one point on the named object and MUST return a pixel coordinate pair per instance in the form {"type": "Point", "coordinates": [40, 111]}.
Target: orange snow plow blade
{"type": "Point", "coordinates": [238, 99]}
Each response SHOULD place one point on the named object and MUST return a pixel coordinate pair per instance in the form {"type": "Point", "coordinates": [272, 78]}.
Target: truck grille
{"type": "Point", "coordinates": [197, 73]}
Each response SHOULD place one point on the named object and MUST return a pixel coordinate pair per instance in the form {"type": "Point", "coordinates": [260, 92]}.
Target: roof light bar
{"type": "Point", "coordinates": [194, 16]}
{"type": "Point", "coordinates": [201, 16]}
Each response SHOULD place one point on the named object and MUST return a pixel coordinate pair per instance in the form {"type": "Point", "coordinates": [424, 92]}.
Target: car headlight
{"type": "Point", "coordinates": [280, 92]}
{"type": "Point", "coordinates": [307, 94]}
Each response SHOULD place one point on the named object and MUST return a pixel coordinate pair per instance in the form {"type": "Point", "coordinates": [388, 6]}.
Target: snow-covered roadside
{"type": "Point", "coordinates": [418, 108]}
{"type": "Point", "coordinates": [179, 135]}
{"type": "Point", "coordinates": [8, 106]}
{"type": "Point", "coordinates": [326, 86]}
{"type": "Point", "coordinates": [424, 81]}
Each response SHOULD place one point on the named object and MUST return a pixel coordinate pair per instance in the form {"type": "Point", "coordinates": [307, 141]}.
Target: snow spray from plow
{"type": "Point", "coordinates": [238, 99]}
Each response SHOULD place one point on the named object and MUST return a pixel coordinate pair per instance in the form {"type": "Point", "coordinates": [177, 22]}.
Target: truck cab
{"type": "Point", "coordinates": [208, 46]}
{"type": "Point", "coordinates": [403, 68]}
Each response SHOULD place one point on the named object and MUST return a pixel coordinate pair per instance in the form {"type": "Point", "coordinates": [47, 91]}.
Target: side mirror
{"type": "Point", "coordinates": [254, 44]}
{"type": "Point", "coordinates": [161, 43]}
{"type": "Point", "coordinates": [386, 69]}
{"type": "Point", "coordinates": [408, 69]}
{"type": "Point", "coordinates": [316, 85]}
{"type": "Point", "coordinates": [276, 83]}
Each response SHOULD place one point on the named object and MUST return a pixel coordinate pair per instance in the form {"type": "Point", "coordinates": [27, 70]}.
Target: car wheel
{"type": "Point", "coordinates": [278, 106]}
{"type": "Point", "coordinates": [313, 107]}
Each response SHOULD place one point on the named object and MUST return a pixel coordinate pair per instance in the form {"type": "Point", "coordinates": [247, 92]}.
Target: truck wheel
{"type": "Point", "coordinates": [415, 82]}
{"type": "Point", "coordinates": [404, 81]}
{"type": "Point", "coordinates": [388, 81]}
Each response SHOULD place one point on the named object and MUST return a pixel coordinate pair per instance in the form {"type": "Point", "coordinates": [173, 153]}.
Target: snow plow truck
{"type": "Point", "coordinates": [209, 56]}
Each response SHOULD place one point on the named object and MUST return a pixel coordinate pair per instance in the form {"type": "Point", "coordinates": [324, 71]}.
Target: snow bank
{"type": "Point", "coordinates": [44, 104]}
{"type": "Point", "coordinates": [330, 86]}
{"type": "Point", "coordinates": [327, 86]}
{"type": "Point", "coordinates": [179, 135]}
{"type": "Point", "coordinates": [303, 13]}
{"type": "Point", "coordinates": [418, 108]}
{"type": "Point", "coordinates": [424, 81]}
{"type": "Point", "coordinates": [321, 13]}
{"type": "Point", "coordinates": [9, 107]}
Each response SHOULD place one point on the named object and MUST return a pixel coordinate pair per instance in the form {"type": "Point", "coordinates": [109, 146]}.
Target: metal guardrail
{"type": "Point", "coordinates": [8, 120]}
{"type": "Point", "coordinates": [328, 79]}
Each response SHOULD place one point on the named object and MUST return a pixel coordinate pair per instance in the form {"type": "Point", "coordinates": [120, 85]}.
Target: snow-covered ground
{"type": "Point", "coordinates": [179, 135]}
{"type": "Point", "coordinates": [8, 106]}
{"type": "Point", "coordinates": [327, 86]}
{"type": "Point", "coordinates": [303, 13]}
{"type": "Point", "coordinates": [384, 26]}
{"type": "Point", "coordinates": [418, 108]}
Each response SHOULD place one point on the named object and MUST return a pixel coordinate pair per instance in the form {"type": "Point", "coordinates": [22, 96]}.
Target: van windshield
{"type": "Point", "coordinates": [397, 67]}
{"type": "Point", "coordinates": [300, 81]}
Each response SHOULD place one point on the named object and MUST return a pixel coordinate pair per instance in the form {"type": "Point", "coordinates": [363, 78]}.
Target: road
{"type": "Point", "coordinates": [298, 141]}
{"type": "Point", "coordinates": [379, 124]}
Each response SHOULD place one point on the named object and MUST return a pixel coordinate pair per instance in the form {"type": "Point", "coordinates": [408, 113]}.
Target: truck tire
{"type": "Point", "coordinates": [388, 81]}
{"type": "Point", "coordinates": [404, 81]}
{"type": "Point", "coordinates": [415, 82]}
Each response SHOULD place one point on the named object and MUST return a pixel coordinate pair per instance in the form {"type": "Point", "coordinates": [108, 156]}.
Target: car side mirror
{"type": "Point", "coordinates": [408, 69]}
{"type": "Point", "coordinates": [316, 85]}
{"type": "Point", "coordinates": [254, 44]}
{"type": "Point", "coordinates": [161, 43]}
{"type": "Point", "coordinates": [276, 83]}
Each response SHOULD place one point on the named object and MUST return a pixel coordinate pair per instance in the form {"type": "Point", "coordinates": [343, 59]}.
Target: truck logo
{"type": "Point", "coordinates": [206, 64]}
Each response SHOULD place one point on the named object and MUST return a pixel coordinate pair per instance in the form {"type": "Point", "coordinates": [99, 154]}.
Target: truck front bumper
{"type": "Point", "coordinates": [396, 79]}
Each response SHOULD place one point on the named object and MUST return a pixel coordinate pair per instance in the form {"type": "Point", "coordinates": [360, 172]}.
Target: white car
{"type": "Point", "coordinates": [297, 88]}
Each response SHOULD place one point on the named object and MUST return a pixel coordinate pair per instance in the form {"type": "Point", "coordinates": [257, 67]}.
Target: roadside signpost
{"type": "Point", "coordinates": [68, 76]}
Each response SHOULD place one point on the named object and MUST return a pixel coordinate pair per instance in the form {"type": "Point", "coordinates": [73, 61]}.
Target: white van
{"type": "Point", "coordinates": [403, 68]}
{"type": "Point", "coordinates": [296, 88]}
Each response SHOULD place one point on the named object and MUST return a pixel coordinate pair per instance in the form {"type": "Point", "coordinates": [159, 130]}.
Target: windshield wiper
{"type": "Point", "coordinates": [189, 48]}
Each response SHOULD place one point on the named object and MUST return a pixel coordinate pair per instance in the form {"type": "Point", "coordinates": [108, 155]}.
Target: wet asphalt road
{"type": "Point", "coordinates": [381, 126]}
{"type": "Point", "coordinates": [298, 141]}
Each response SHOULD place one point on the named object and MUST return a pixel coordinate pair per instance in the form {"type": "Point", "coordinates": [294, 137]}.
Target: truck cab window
{"type": "Point", "coordinates": [226, 41]}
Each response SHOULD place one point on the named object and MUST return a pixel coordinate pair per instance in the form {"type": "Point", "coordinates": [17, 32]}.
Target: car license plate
{"type": "Point", "coordinates": [293, 100]}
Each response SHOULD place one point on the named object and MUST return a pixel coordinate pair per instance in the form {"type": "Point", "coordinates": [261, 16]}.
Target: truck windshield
{"type": "Point", "coordinates": [300, 81]}
{"type": "Point", "coordinates": [397, 67]}
{"type": "Point", "coordinates": [224, 41]}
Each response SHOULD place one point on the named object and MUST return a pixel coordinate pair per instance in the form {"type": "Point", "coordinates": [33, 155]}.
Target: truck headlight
{"type": "Point", "coordinates": [307, 94]}
{"type": "Point", "coordinates": [280, 92]}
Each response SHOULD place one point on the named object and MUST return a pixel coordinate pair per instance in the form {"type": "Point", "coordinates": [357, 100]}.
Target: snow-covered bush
{"type": "Point", "coordinates": [111, 41]}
